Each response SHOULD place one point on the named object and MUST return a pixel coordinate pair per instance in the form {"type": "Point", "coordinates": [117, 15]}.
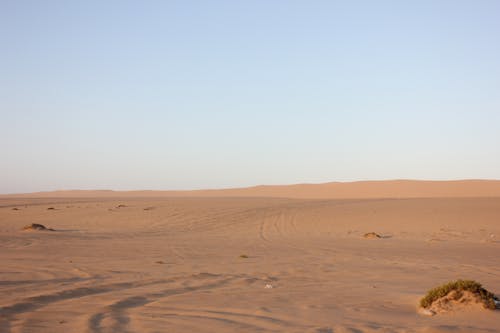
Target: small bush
{"type": "Point", "coordinates": [244, 256]}
{"type": "Point", "coordinates": [459, 287]}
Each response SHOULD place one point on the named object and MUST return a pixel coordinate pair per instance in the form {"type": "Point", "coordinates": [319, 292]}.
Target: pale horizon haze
{"type": "Point", "coordinates": [212, 94]}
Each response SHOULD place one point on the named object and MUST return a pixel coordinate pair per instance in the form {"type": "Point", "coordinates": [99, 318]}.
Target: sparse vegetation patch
{"type": "Point", "coordinates": [457, 289]}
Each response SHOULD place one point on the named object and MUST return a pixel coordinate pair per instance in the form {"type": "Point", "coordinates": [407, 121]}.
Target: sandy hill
{"type": "Point", "coordinates": [334, 190]}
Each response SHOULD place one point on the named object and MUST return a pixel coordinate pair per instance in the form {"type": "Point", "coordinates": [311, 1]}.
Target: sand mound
{"type": "Point", "coordinates": [456, 301]}
{"type": "Point", "coordinates": [38, 227]}
{"type": "Point", "coordinates": [458, 295]}
{"type": "Point", "coordinates": [372, 235]}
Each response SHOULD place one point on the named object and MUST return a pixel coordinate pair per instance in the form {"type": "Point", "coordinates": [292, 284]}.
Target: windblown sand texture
{"type": "Point", "coordinates": [264, 259]}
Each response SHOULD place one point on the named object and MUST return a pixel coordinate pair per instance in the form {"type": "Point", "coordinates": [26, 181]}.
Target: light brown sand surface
{"type": "Point", "coordinates": [175, 265]}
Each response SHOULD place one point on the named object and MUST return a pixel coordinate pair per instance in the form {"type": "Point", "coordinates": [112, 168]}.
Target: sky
{"type": "Point", "coordinates": [213, 94]}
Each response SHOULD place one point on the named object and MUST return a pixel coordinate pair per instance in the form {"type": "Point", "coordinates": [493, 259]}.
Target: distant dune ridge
{"type": "Point", "coordinates": [333, 190]}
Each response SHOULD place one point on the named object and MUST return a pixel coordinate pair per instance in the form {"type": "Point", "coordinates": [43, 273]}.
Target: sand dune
{"type": "Point", "coordinates": [335, 190]}
{"type": "Point", "coordinates": [128, 263]}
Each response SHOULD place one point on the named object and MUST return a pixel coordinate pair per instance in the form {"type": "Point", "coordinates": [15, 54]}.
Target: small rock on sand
{"type": "Point", "coordinates": [371, 235]}
{"type": "Point", "coordinates": [36, 226]}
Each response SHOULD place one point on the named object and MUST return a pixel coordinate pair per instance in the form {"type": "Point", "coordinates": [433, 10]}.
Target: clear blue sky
{"type": "Point", "coordinates": [209, 94]}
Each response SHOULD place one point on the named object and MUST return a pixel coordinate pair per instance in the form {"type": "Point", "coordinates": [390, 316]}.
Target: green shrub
{"type": "Point", "coordinates": [459, 287]}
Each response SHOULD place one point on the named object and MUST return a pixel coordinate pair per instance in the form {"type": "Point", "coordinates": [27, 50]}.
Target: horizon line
{"type": "Point", "coordinates": [253, 186]}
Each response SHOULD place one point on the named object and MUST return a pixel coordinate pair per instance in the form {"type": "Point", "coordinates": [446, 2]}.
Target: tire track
{"type": "Point", "coordinates": [118, 319]}
{"type": "Point", "coordinates": [8, 313]}
{"type": "Point", "coordinates": [239, 318]}
{"type": "Point", "coordinates": [117, 312]}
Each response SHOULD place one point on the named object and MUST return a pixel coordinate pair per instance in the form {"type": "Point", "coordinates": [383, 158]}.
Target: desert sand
{"type": "Point", "coordinates": [262, 259]}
